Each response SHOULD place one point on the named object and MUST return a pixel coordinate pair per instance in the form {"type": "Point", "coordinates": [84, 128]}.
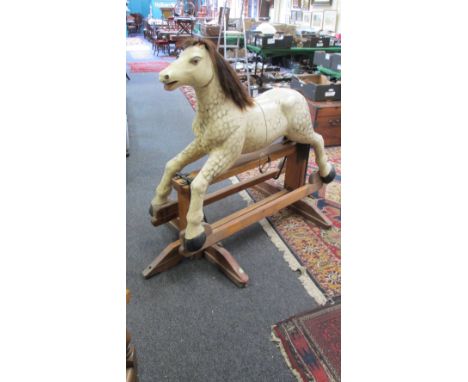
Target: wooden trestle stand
{"type": "Point", "coordinates": [295, 189]}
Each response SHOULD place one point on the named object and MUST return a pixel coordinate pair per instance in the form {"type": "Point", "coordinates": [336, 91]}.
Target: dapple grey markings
{"type": "Point", "coordinates": [228, 123]}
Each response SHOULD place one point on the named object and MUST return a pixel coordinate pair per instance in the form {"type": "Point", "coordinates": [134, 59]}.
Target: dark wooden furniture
{"type": "Point", "coordinates": [295, 189]}
{"type": "Point", "coordinates": [131, 25]}
{"type": "Point", "coordinates": [130, 350]}
{"type": "Point", "coordinates": [138, 18]}
{"type": "Point", "coordinates": [178, 41]}
{"type": "Point", "coordinates": [161, 42]}
{"type": "Point", "coordinates": [149, 31]}
{"type": "Point", "coordinates": [326, 117]}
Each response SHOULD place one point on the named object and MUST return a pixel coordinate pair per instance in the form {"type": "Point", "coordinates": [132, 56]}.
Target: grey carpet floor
{"type": "Point", "coordinates": [191, 323]}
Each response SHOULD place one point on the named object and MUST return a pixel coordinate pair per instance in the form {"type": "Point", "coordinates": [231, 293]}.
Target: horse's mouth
{"type": "Point", "coordinates": [170, 85]}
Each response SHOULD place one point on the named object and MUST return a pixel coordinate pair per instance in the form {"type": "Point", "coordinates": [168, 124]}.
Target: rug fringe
{"type": "Point", "coordinates": [279, 344]}
{"type": "Point", "coordinates": [293, 263]}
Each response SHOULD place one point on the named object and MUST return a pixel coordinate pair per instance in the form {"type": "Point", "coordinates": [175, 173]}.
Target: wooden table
{"type": "Point", "coordinates": [265, 53]}
{"type": "Point", "coordinates": [293, 51]}
{"type": "Point", "coordinates": [185, 24]}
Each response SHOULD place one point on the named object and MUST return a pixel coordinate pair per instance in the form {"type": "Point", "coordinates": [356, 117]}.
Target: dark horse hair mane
{"type": "Point", "coordinates": [230, 83]}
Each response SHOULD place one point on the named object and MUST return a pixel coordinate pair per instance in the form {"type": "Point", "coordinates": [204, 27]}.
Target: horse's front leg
{"type": "Point", "coordinates": [190, 154]}
{"type": "Point", "coordinates": [218, 161]}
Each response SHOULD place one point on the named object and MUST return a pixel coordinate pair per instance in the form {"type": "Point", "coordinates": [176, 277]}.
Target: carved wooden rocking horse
{"type": "Point", "coordinates": [227, 124]}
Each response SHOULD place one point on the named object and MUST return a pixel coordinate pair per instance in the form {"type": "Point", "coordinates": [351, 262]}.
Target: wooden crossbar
{"type": "Point", "coordinates": [243, 218]}
{"type": "Point", "coordinates": [246, 162]}
{"type": "Point", "coordinates": [171, 211]}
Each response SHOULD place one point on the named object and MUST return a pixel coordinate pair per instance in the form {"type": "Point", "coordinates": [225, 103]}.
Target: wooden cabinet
{"type": "Point", "coordinates": [326, 117]}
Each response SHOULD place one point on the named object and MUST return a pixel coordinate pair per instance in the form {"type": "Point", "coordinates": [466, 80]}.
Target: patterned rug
{"type": "Point", "coordinates": [311, 344]}
{"type": "Point", "coordinates": [317, 250]}
{"type": "Point", "coordinates": [148, 67]}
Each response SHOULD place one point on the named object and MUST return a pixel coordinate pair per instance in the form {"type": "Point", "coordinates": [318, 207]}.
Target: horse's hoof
{"type": "Point", "coordinates": [331, 175]}
{"type": "Point", "coordinates": [195, 244]}
{"type": "Point", "coordinates": [151, 210]}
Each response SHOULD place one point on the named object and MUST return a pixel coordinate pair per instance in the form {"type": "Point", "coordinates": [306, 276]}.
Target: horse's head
{"type": "Point", "coordinates": [198, 65]}
{"type": "Point", "coordinates": [194, 68]}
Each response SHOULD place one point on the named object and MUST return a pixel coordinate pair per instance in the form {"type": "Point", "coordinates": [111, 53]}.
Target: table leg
{"type": "Point", "coordinates": [256, 61]}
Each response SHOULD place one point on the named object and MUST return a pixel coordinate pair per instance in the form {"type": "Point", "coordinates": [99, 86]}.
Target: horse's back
{"type": "Point", "coordinates": [287, 98]}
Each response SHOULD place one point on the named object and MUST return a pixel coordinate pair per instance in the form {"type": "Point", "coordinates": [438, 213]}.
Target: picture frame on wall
{"type": "Point", "coordinates": [305, 5]}
{"type": "Point", "coordinates": [329, 21]}
{"type": "Point", "coordinates": [322, 2]}
{"type": "Point", "coordinates": [296, 17]}
{"type": "Point", "coordinates": [317, 20]}
{"type": "Point", "coordinates": [292, 19]}
{"type": "Point", "coordinates": [306, 18]}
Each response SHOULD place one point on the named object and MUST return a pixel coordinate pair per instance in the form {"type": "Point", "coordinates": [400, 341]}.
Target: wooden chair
{"type": "Point", "coordinates": [161, 42]}
{"type": "Point", "coordinates": [147, 31]}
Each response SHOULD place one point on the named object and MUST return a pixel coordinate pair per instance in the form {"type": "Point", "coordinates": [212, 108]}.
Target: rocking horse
{"type": "Point", "coordinates": [236, 132]}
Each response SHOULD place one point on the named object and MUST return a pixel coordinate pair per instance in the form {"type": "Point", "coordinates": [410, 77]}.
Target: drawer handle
{"type": "Point", "coordinates": [334, 122]}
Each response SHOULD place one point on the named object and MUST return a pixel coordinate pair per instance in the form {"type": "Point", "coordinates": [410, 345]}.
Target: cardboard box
{"type": "Point", "coordinates": [283, 41]}
{"type": "Point", "coordinates": [336, 62]}
{"type": "Point", "coordinates": [316, 87]}
{"type": "Point", "coordinates": [251, 36]}
{"type": "Point", "coordinates": [316, 42]}
{"type": "Point", "coordinates": [265, 41]}
{"type": "Point", "coordinates": [210, 29]}
{"type": "Point", "coordinates": [323, 58]}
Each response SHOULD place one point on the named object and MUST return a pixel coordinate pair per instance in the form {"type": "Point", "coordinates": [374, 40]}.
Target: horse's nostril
{"type": "Point", "coordinates": [166, 77]}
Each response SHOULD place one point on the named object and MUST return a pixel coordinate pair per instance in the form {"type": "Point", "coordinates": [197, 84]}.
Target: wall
{"type": "Point", "coordinates": [140, 6]}
{"type": "Point", "coordinates": [161, 3]}
{"type": "Point", "coordinates": [282, 9]}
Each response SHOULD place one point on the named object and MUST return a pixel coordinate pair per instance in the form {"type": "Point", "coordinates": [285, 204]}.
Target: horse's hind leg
{"type": "Point", "coordinates": [307, 135]}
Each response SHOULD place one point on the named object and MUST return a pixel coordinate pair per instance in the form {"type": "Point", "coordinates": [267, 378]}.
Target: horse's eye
{"type": "Point", "coordinates": [194, 61]}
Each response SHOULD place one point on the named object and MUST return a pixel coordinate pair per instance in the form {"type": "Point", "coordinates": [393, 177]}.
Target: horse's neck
{"type": "Point", "coordinates": [210, 98]}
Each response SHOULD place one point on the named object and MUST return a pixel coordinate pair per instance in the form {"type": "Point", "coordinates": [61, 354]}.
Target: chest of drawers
{"type": "Point", "coordinates": [326, 117]}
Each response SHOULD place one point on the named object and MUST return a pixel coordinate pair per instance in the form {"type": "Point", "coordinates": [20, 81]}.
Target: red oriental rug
{"type": "Point", "coordinates": [148, 67]}
{"type": "Point", "coordinates": [317, 250]}
{"type": "Point", "coordinates": [311, 344]}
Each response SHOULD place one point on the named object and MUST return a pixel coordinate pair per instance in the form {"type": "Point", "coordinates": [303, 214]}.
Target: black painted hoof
{"type": "Point", "coordinates": [195, 244]}
{"type": "Point", "coordinates": [329, 178]}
